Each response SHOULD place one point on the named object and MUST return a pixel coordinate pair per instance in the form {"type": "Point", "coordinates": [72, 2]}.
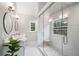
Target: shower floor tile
{"type": "Point", "coordinates": [48, 51]}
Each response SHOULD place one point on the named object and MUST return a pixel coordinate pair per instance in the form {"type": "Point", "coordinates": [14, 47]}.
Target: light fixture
{"type": "Point", "coordinates": [60, 17]}
{"type": "Point", "coordinates": [50, 20]}
{"type": "Point", "coordinates": [10, 9]}
{"type": "Point", "coordinates": [63, 16]}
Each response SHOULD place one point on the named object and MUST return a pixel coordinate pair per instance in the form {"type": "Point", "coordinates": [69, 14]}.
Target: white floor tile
{"type": "Point", "coordinates": [32, 51]}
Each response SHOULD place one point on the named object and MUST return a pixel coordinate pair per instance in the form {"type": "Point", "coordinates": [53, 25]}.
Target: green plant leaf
{"type": "Point", "coordinates": [16, 49]}
{"type": "Point", "coordinates": [18, 41]}
{"type": "Point", "coordinates": [9, 51]}
{"type": "Point", "coordinates": [5, 45]}
{"type": "Point", "coordinates": [15, 55]}
{"type": "Point", "coordinates": [13, 46]}
{"type": "Point", "coordinates": [7, 55]}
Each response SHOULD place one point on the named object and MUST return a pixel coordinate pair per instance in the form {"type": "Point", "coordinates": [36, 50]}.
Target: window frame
{"type": "Point", "coordinates": [59, 28]}
{"type": "Point", "coordinates": [31, 26]}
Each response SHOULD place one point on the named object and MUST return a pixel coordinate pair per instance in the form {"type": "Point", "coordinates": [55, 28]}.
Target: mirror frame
{"type": "Point", "coordinates": [5, 24]}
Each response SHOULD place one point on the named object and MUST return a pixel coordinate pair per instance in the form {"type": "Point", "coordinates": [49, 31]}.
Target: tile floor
{"type": "Point", "coordinates": [32, 51]}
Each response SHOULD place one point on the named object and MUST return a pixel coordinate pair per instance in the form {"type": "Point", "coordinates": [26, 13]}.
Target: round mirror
{"type": "Point", "coordinates": [7, 23]}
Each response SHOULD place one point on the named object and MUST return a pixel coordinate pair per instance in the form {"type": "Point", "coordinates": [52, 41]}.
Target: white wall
{"type": "Point", "coordinates": [3, 35]}
{"type": "Point", "coordinates": [27, 12]}
{"type": "Point", "coordinates": [1, 28]}
{"type": "Point", "coordinates": [41, 5]}
{"type": "Point", "coordinates": [72, 48]}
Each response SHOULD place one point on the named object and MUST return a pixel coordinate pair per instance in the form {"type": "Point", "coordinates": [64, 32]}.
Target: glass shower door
{"type": "Point", "coordinates": [71, 11]}
{"type": "Point", "coordinates": [40, 34]}
{"type": "Point", "coordinates": [53, 38]}
{"type": "Point", "coordinates": [58, 29]}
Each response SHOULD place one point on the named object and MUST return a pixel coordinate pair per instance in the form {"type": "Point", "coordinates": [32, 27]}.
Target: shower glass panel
{"type": "Point", "coordinates": [53, 36]}
{"type": "Point", "coordinates": [58, 29]}
{"type": "Point", "coordinates": [40, 34]}
{"type": "Point", "coordinates": [71, 40]}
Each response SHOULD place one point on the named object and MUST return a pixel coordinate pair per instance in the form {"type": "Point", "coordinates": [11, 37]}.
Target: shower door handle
{"type": "Point", "coordinates": [65, 40]}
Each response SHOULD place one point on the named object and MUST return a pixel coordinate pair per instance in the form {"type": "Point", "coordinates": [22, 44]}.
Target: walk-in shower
{"type": "Point", "coordinates": [58, 29]}
{"type": "Point", "coordinates": [44, 28]}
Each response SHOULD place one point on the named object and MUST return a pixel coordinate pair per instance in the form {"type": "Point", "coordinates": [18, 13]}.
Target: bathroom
{"type": "Point", "coordinates": [44, 28]}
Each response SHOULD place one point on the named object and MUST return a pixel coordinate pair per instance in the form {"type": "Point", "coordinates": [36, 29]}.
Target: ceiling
{"type": "Point", "coordinates": [28, 8]}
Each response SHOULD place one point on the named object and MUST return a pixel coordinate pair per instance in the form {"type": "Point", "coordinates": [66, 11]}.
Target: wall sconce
{"type": "Point", "coordinates": [16, 22]}
{"type": "Point", "coordinates": [63, 16]}
{"type": "Point", "coordinates": [10, 9]}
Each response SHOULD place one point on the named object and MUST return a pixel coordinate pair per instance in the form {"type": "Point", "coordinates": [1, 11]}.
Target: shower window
{"type": "Point", "coordinates": [32, 26]}
{"type": "Point", "coordinates": [60, 26]}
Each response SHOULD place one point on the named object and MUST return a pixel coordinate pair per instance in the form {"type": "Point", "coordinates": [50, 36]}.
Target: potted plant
{"type": "Point", "coordinates": [13, 46]}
